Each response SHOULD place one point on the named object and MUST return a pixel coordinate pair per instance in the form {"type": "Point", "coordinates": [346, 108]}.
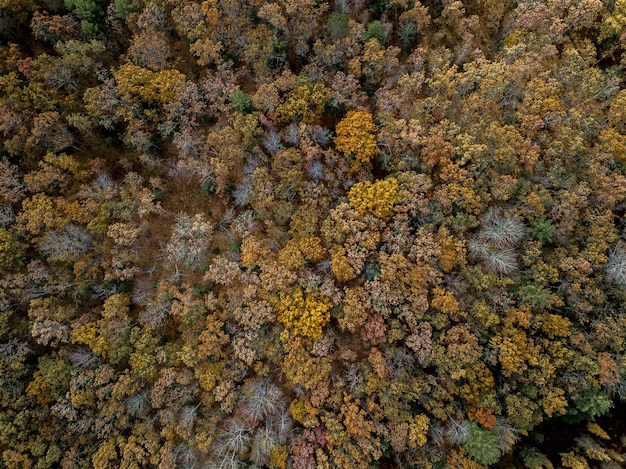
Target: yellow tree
{"type": "Point", "coordinates": [356, 137]}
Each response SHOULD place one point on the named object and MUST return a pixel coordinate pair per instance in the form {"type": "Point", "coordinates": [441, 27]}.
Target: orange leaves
{"type": "Point", "coordinates": [379, 365]}
{"type": "Point", "coordinates": [354, 419]}
{"type": "Point", "coordinates": [609, 370]}
{"type": "Point", "coordinates": [452, 252]}
{"type": "Point", "coordinates": [254, 251]}
{"type": "Point", "coordinates": [485, 417]}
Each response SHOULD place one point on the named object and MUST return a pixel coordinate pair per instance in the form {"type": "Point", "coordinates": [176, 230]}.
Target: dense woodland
{"type": "Point", "coordinates": [312, 234]}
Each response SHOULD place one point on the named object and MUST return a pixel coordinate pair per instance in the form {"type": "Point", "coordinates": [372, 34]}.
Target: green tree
{"type": "Point", "coordinates": [89, 12]}
{"type": "Point", "coordinates": [337, 25]}
{"type": "Point", "coordinates": [11, 251]}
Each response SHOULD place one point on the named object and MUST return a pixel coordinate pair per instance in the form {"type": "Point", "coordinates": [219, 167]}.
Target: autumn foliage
{"type": "Point", "coordinates": [312, 234]}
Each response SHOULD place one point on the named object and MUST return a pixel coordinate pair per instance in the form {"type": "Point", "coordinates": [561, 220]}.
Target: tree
{"type": "Point", "coordinates": [134, 81]}
{"type": "Point", "coordinates": [482, 445]}
{"type": "Point", "coordinates": [303, 313]}
{"type": "Point", "coordinates": [355, 137]}
{"type": "Point", "coordinates": [11, 251]}
{"type": "Point", "coordinates": [90, 14]}
{"type": "Point", "coordinates": [304, 103]}
{"type": "Point", "coordinates": [377, 198]}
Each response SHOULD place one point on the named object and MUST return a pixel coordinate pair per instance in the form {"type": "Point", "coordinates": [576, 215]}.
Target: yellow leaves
{"type": "Point", "coordinates": [483, 314]}
{"type": "Point", "coordinates": [297, 410]}
{"type": "Point", "coordinates": [354, 419]}
{"type": "Point", "coordinates": [522, 412]}
{"type": "Point", "coordinates": [340, 265]}
{"type": "Point", "coordinates": [601, 235]}
{"type": "Point", "coordinates": [213, 339]}
{"type": "Point", "coordinates": [116, 306]}
{"type": "Point", "coordinates": [355, 136]}
{"type": "Point", "coordinates": [303, 314]}
{"type": "Point", "coordinates": [11, 251]}
{"type": "Point", "coordinates": [554, 401]}
{"type": "Point", "coordinates": [302, 369]}
{"type": "Point", "coordinates": [278, 457]}
{"type": "Point", "coordinates": [444, 301]}
{"type": "Point", "coordinates": [248, 127]}
{"type": "Point", "coordinates": [335, 432]}
{"type": "Point", "coordinates": [377, 198]}
{"type": "Point", "coordinates": [272, 13]}
{"type": "Point", "coordinates": [553, 324]}
{"type": "Point", "coordinates": [418, 431]}
{"type": "Point", "coordinates": [91, 336]}
{"type": "Point", "coordinates": [613, 24]}
{"type": "Point", "coordinates": [160, 87]}
{"type": "Point", "coordinates": [573, 461]}
{"type": "Point", "coordinates": [291, 256]}
{"type": "Point", "coordinates": [39, 214]}
{"type": "Point", "coordinates": [297, 252]}
{"type": "Point", "coordinates": [65, 162]}
{"type": "Point", "coordinates": [38, 389]}
{"type": "Point", "coordinates": [106, 453]}
{"type": "Point", "coordinates": [597, 430]}
{"type": "Point", "coordinates": [312, 249]}
{"type": "Point", "coordinates": [305, 103]}
{"type": "Point", "coordinates": [208, 375]}
{"type": "Point", "coordinates": [355, 312]}
{"type": "Point", "coordinates": [480, 382]}
{"type": "Point", "coordinates": [515, 351]}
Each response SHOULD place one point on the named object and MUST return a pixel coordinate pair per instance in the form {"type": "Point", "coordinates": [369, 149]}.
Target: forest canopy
{"type": "Point", "coordinates": [305, 234]}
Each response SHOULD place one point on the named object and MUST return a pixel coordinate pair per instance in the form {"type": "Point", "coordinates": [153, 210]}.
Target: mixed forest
{"type": "Point", "coordinates": [301, 234]}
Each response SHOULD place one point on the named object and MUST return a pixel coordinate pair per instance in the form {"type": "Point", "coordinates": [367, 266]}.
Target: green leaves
{"type": "Point", "coordinates": [337, 25]}
{"type": "Point", "coordinates": [123, 8]}
{"type": "Point", "coordinates": [56, 373]}
{"type": "Point", "coordinates": [482, 445]}
{"type": "Point", "coordinates": [375, 31]}
{"type": "Point", "coordinates": [542, 229]}
{"type": "Point", "coordinates": [11, 251]}
{"type": "Point", "coordinates": [241, 102]}
{"type": "Point", "coordinates": [89, 12]}
{"type": "Point", "coordinates": [591, 404]}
